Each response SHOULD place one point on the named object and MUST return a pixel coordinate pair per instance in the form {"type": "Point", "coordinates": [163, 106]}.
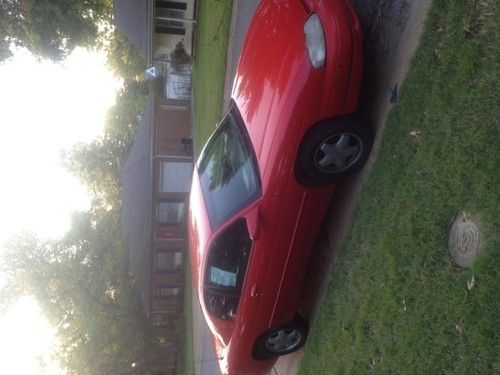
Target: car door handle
{"type": "Point", "coordinates": [256, 291]}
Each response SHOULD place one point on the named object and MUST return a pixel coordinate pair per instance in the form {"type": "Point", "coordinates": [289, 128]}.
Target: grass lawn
{"type": "Point", "coordinates": [396, 303]}
{"type": "Point", "coordinates": [212, 35]}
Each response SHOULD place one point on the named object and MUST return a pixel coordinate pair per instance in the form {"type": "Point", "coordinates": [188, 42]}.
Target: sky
{"type": "Point", "coordinates": [45, 108]}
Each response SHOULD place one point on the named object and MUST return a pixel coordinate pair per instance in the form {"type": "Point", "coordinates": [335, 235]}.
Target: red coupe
{"type": "Point", "coordinates": [262, 184]}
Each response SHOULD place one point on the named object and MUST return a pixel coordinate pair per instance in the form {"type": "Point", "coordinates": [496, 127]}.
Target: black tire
{"type": "Point", "coordinates": [281, 340]}
{"type": "Point", "coordinates": [333, 150]}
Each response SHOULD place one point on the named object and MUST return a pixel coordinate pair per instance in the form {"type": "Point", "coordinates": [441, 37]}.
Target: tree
{"type": "Point", "coordinates": [83, 281]}
{"type": "Point", "coordinates": [52, 28]}
{"type": "Point", "coordinates": [99, 164]}
{"type": "Point", "coordinates": [84, 287]}
{"type": "Point", "coordinates": [124, 59]}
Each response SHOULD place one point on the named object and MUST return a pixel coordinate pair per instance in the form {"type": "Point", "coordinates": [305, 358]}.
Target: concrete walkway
{"type": "Point", "coordinates": [205, 361]}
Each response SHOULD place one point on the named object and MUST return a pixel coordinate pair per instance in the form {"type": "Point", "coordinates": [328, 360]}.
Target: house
{"type": "Point", "coordinates": [155, 188]}
{"type": "Point", "coordinates": [157, 175]}
{"type": "Point", "coordinates": [155, 27]}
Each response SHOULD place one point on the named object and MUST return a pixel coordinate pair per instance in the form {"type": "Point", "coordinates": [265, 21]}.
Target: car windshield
{"type": "Point", "coordinates": [228, 171]}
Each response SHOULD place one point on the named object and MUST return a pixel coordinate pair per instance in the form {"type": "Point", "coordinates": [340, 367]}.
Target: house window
{"type": "Point", "coordinates": [175, 177]}
{"type": "Point", "coordinates": [166, 292]}
{"type": "Point", "coordinates": [170, 17]}
{"type": "Point", "coordinates": [171, 5]}
{"type": "Point", "coordinates": [168, 261]}
{"type": "Point", "coordinates": [170, 30]}
{"type": "Point", "coordinates": [170, 212]}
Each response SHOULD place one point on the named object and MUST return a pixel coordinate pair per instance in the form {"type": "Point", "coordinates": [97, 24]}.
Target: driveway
{"type": "Point", "coordinates": [391, 32]}
{"type": "Point", "coordinates": [205, 361]}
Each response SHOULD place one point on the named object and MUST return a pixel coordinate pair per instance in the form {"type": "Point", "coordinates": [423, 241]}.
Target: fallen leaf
{"type": "Point", "coordinates": [415, 134]}
{"type": "Point", "coordinates": [471, 283]}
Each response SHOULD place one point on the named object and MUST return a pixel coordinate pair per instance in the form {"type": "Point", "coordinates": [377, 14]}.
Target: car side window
{"type": "Point", "coordinates": [225, 270]}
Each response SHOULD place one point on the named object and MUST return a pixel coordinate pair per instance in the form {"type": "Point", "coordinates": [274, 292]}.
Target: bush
{"type": "Point", "coordinates": [179, 57]}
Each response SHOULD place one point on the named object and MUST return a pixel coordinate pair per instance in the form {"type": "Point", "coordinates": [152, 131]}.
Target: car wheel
{"type": "Point", "coordinates": [333, 150]}
{"type": "Point", "coordinates": [281, 340]}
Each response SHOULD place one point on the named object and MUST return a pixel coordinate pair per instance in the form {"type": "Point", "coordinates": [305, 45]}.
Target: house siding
{"type": "Point", "coordinates": [168, 278]}
{"type": "Point", "coordinates": [165, 38]}
{"type": "Point", "coordinates": [172, 124]}
{"type": "Point", "coordinates": [171, 127]}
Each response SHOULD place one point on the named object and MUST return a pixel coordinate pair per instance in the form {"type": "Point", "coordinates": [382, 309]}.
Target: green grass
{"type": "Point", "coordinates": [212, 35]}
{"type": "Point", "coordinates": [396, 303]}
{"type": "Point", "coordinates": [188, 364]}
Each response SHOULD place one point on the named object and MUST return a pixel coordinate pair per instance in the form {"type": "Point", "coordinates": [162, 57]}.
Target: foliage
{"type": "Point", "coordinates": [52, 28]}
{"type": "Point", "coordinates": [84, 288]}
{"type": "Point", "coordinates": [82, 281]}
{"type": "Point", "coordinates": [124, 59]}
{"type": "Point", "coordinates": [98, 164]}
{"type": "Point", "coordinates": [396, 302]}
{"type": "Point", "coordinates": [179, 57]}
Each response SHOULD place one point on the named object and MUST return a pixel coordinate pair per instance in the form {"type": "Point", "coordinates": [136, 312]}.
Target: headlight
{"type": "Point", "coordinates": [315, 41]}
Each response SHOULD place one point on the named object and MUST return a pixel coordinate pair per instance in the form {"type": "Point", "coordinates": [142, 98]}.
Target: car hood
{"type": "Point", "coordinates": [271, 62]}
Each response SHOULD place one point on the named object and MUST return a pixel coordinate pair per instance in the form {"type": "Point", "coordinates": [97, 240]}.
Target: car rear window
{"type": "Point", "coordinates": [228, 171]}
{"type": "Point", "coordinates": [225, 270]}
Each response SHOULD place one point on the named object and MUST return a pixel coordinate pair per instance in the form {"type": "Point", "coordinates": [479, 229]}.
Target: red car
{"type": "Point", "coordinates": [262, 184]}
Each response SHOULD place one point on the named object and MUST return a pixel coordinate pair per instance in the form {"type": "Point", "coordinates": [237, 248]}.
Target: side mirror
{"type": "Point", "coordinates": [253, 223]}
